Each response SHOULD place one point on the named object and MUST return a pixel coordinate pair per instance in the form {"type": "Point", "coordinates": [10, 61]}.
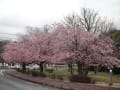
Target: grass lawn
{"type": "Point", "coordinates": [104, 77]}
{"type": "Point", "coordinates": [98, 77]}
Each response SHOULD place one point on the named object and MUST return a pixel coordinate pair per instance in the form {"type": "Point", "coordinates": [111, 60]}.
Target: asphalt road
{"type": "Point", "coordinates": [11, 83]}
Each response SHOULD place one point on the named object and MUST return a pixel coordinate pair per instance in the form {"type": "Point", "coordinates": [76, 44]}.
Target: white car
{"type": "Point", "coordinates": [33, 66]}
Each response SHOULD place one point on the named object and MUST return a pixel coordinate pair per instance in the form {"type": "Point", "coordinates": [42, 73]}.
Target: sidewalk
{"type": "Point", "coordinates": [61, 84]}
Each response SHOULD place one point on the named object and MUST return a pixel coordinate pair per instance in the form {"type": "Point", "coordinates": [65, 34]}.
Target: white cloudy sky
{"type": "Point", "coordinates": [16, 14]}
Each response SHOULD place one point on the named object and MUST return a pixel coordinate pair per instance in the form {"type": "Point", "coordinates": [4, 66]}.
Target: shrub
{"type": "Point", "coordinates": [18, 69]}
{"type": "Point", "coordinates": [37, 73]}
{"type": "Point", "coordinates": [23, 71]}
{"type": "Point", "coordinates": [59, 77]}
{"type": "Point", "coordinates": [41, 74]}
{"type": "Point", "coordinates": [34, 73]}
{"type": "Point", "coordinates": [28, 72]}
{"type": "Point", "coordinates": [116, 70]}
{"type": "Point", "coordinates": [103, 69]}
{"type": "Point", "coordinates": [53, 76]}
{"type": "Point", "coordinates": [81, 79]}
{"type": "Point", "coordinates": [50, 70]}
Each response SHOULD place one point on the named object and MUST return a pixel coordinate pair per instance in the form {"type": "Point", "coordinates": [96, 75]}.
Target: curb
{"type": "Point", "coordinates": [59, 87]}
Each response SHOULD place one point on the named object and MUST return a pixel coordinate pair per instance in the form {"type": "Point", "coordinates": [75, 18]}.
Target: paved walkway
{"type": "Point", "coordinates": [61, 84]}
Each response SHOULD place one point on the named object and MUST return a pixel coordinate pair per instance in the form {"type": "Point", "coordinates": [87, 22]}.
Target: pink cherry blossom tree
{"type": "Point", "coordinates": [15, 52]}
{"type": "Point", "coordinates": [83, 48]}
{"type": "Point", "coordinates": [39, 46]}
{"type": "Point", "coordinates": [32, 47]}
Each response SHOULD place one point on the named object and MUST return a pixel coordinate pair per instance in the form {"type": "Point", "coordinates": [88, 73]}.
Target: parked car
{"type": "Point", "coordinates": [32, 66]}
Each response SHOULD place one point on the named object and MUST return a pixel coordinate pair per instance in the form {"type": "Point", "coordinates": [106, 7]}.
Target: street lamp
{"type": "Point", "coordinates": [110, 77]}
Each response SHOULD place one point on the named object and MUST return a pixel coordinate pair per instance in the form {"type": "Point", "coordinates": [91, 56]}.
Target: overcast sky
{"type": "Point", "coordinates": [15, 15]}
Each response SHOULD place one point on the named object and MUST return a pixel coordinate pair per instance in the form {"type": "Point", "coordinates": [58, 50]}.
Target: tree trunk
{"type": "Point", "coordinates": [86, 71]}
{"type": "Point", "coordinates": [70, 68]}
{"type": "Point", "coordinates": [23, 67]}
{"type": "Point", "coordinates": [2, 65]}
{"type": "Point", "coordinates": [41, 66]}
{"type": "Point", "coordinates": [95, 69]}
{"type": "Point", "coordinates": [79, 68]}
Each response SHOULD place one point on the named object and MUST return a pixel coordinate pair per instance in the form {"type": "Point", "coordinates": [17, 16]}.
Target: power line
{"type": "Point", "coordinates": [8, 37]}
{"type": "Point", "coordinates": [8, 33]}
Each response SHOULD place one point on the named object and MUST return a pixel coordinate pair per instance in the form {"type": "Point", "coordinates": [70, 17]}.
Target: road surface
{"type": "Point", "coordinates": [11, 83]}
